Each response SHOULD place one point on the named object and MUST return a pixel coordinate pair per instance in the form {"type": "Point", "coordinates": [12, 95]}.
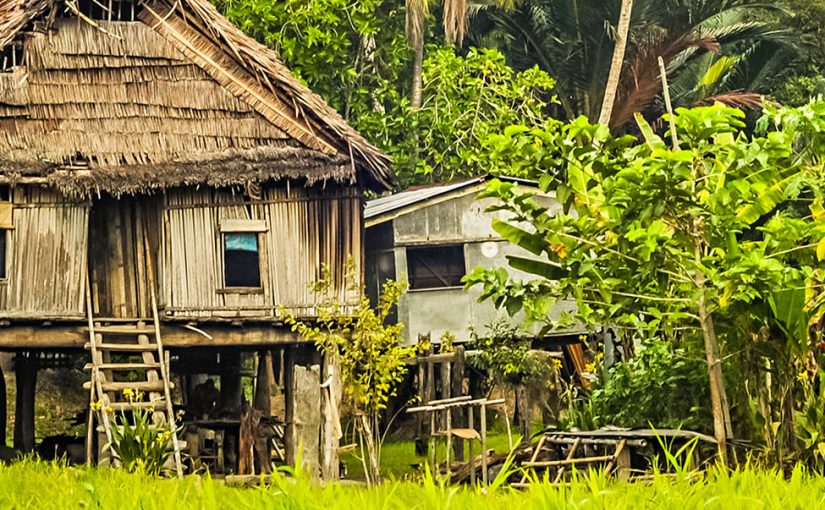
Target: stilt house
{"type": "Point", "coordinates": [165, 179]}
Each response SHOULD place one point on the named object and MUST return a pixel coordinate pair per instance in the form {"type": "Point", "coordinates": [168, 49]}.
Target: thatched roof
{"type": "Point", "coordinates": [179, 97]}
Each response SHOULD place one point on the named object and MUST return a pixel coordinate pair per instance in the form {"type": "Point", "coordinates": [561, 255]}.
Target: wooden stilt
{"type": "Point", "coordinates": [3, 407]}
{"type": "Point", "coordinates": [26, 381]}
{"type": "Point", "coordinates": [289, 404]}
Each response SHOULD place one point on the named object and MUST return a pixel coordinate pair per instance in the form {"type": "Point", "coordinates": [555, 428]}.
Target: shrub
{"type": "Point", "coordinates": [141, 444]}
{"type": "Point", "coordinates": [663, 386]}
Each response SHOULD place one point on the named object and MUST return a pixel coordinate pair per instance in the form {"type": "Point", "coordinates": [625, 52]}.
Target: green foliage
{"type": "Point", "coordinates": [505, 356]}
{"type": "Point", "coordinates": [48, 486]}
{"type": "Point", "coordinates": [731, 220]}
{"type": "Point", "coordinates": [351, 53]}
{"type": "Point", "coordinates": [810, 425]}
{"type": "Point", "coordinates": [141, 444]}
{"type": "Point", "coordinates": [368, 349]}
{"type": "Point", "coordinates": [728, 50]}
{"type": "Point", "coordinates": [465, 100]}
{"type": "Point", "coordinates": [662, 386]}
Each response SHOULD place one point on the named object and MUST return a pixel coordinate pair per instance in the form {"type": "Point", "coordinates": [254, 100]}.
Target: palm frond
{"type": "Point", "coordinates": [741, 99]}
{"type": "Point", "coordinates": [456, 16]}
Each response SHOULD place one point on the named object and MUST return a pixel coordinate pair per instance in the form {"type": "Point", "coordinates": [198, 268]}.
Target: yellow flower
{"type": "Point", "coordinates": [128, 393]}
{"type": "Point", "coordinates": [802, 376]}
{"type": "Point", "coordinates": [582, 337]}
{"type": "Point", "coordinates": [96, 405]}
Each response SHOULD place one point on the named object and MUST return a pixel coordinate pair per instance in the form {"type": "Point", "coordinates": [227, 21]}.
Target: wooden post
{"type": "Point", "coordinates": [277, 357]}
{"type": "Point", "coordinates": [523, 408]}
{"type": "Point", "coordinates": [3, 407]}
{"type": "Point", "coordinates": [25, 368]}
{"type": "Point", "coordinates": [307, 416]}
{"type": "Point", "coordinates": [432, 443]}
{"type": "Point", "coordinates": [231, 388]}
{"type": "Point", "coordinates": [262, 401]}
{"type": "Point", "coordinates": [459, 418]}
{"type": "Point", "coordinates": [445, 392]}
{"type": "Point", "coordinates": [231, 395]}
{"type": "Point", "coordinates": [421, 439]}
{"type": "Point", "coordinates": [289, 404]}
{"type": "Point", "coordinates": [331, 425]}
{"type": "Point", "coordinates": [472, 458]}
{"type": "Point", "coordinates": [483, 418]}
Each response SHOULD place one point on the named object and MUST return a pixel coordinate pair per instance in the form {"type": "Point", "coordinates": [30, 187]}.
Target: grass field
{"type": "Point", "coordinates": [50, 486]}
{"type": "Point", "coordinates": [398, 459]}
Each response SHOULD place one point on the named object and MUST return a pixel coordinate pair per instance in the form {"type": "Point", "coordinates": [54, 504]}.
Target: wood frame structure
{"type": "Point", "coordinates": [135, 134]}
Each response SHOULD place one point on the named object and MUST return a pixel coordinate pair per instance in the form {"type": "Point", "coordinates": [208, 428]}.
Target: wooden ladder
{"type": "Point", "coordinates": [122, 347]}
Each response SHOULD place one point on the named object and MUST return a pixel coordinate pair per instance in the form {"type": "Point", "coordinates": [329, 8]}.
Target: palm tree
{"type": "Point", "coordinates": [617, 63]}
{"type": "Point", "coordinates": [455, 16]}
{"type": "Point", "coordinates": [572, 40]}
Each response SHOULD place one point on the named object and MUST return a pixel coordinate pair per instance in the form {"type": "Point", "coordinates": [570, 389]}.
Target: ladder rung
{"type": "Point", "coordinates": [125, 406]}
{"type": "Point", "coordinates": [124, 366]}
{"type": "Point", "coordinates": [123, 347]}
{"type": "Point", "coordinates": [125, 329]}
{"type": "Point", "coordinates": [153, 386]}
{"type": "Point", "coordinates": [126, 320]}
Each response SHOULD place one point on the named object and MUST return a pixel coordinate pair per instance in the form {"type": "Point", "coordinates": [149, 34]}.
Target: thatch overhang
{"type": "Point", "coordinates": [180, 97]}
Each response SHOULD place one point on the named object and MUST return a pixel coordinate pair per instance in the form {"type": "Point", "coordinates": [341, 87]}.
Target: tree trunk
{"type": "Point", "coordinates": [417, 74]}
{"type": "Point", "coordinates": [368, 436]}
{"type": "Point", "coordinates": [718, 398]}
{"type": "Point", "coordinates": [616, 65]}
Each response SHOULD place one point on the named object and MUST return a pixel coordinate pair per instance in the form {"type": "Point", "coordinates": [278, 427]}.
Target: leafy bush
{"type": "Point", "coordinates": [506, 356]}
{"type": "Point", "coordinates": [141, 444]}
{"type": "Point", "coordinates": [662, 386]}
{"type": "Point", "coordinates": [465, 100]}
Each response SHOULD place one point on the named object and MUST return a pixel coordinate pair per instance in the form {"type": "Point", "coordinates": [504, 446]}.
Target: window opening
{"type": "Point", "coordinates": [242, 259]}
{"type": "Point", "coordinates": [431, 267]}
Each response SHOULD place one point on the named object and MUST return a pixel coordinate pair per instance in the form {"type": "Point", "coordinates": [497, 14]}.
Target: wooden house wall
{"type": "Point", "coordinates": [304, 228]}
{"type": "Point", "coordinates": [46, 256]}
{"type": "Point", "coordinates": [124, 242]}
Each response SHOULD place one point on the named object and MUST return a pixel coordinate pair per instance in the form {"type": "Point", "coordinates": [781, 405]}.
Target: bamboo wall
{"type": "Point", "coordinates": [305, 227]}
{"type": "Point", "coordinates": [46, 256]}
{"type": "Point", "coordinates": [123, 246]}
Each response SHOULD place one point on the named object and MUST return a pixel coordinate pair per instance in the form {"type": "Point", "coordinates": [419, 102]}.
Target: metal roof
{"type": "Point", "coordinates": [410, 197]}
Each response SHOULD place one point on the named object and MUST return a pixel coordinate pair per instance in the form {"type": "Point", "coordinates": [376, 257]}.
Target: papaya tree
{"type": "Point", "coordinates": [672, 242]}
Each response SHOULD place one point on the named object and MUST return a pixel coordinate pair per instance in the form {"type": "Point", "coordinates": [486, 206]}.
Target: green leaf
{"type": "Point", "coordinates": [527, 240]}
{"type": "Point", "coordinates": [764, 203]}
{"type": "Point", "coordinates": [537, 267]}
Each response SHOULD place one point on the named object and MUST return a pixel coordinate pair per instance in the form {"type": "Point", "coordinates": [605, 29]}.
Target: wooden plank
{"type": "Point", "coordinates": [243, 225]}
{"type": "Point", "coordinates": [123, 347]}
{"type": "Point", "coordinates": [123, 366]}
{"type": "Point", "coordinates": [150, 386]}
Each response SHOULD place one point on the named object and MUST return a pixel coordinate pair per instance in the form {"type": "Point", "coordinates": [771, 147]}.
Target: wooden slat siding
{"type": "Point", "coordinates": [47, 257]}
{"type": "Point", "coordinates": [305, 227]}
{"type": "Point", "coordinates": [118, 260]}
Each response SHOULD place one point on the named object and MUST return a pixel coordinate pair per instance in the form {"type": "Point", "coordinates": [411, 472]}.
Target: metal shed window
{"type": "Point", "coordinates": [431, 267]}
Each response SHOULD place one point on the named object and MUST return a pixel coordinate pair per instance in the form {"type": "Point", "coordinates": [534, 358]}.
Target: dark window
{"type": "Point", "coordinates": [4, 235]}
{"type": "Point", "coordinates": [242, 264]}
{"type": "Point", "coordinates": [431, 267]}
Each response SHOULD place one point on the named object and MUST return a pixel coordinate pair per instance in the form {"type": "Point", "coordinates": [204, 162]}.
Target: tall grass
{"type": "Point", "coordinates": [31, 484]}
